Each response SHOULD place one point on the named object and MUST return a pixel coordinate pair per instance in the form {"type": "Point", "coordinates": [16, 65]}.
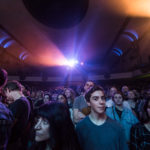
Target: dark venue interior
{"type": "Point", "coordinates": [37, 37]}
{"type": "Point", "coordinates": [51, 47]}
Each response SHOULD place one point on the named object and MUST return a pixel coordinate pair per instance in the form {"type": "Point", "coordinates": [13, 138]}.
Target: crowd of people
{"type": "Point", "coordinates": [64, 119]}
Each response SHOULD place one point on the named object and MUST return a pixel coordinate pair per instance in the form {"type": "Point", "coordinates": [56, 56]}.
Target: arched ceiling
{"type": "Point", "coordinates": [109, 37]}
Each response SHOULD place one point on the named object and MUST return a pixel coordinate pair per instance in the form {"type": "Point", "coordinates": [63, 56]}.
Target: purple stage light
{"type": "Point", "coordinates": [133, 32]}
{"type": "Point", "coordinates": [23, 55]}
{"type": "Point", "coordinates": [3, 39]}
{"type": "Point", "coordinates": [82, 63]}
{"type": "Point", "coordinates": [128, 37]}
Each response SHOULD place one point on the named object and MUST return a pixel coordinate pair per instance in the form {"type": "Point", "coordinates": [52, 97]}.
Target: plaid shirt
{"type": "Point", "coordinates": [140, 138]}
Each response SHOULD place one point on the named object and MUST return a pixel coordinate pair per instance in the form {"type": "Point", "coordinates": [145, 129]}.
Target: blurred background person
{"type": "Point", "coordinates": [140, 133]}
{"type": "Point", "coordinates": [6, 117]}
{"type": "Point", "coordinates": [80, 107]}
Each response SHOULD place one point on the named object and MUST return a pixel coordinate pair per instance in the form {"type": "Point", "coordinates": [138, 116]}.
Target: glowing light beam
{"type": "Point", "coordinates": [9, 43]}
{"type": "Point", "coordinates": [3, 39]}
{"type": "Point", "coordinates": [128, 37]}
{"type": "Point", "coordinates": [119, 50]}
{"type": "Point", "coordinates": [134, 33]}
{"type": "Point", "coordinates": [116, 52]}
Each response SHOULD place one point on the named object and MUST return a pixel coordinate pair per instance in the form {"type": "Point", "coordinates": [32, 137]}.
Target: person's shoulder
{"type": "Point", "coordinates": [79, 97]}
{"type": "Point", "coordinates": [5, 113]}
{"type": "Point", "coordinates": [20, 102]}
{"type": "Point", "coordinates": [83, 122]}
{"type": "Point", "coordinates": [114, 124]}
{"type": "Point", "coordinates": [126, 105]}
{"type": "Point", "coordinates": [126, 109]}
{"type": "Point", "coordinates": [109, 109]}
{"type": "Point", "coordinates": [2, 106]}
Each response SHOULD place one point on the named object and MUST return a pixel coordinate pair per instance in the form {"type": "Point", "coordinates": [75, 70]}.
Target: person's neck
{"type": "Point", "coordinates": [17, 95]}
{"type": "Point", "coordinates": [97, 119]}
{"type": "Point", "coordinates": [119, 107]}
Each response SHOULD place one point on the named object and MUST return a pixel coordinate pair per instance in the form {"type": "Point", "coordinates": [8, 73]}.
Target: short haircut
{"type": "Point", "coordinates": [118, 92]}
{"type": "Point", "coordinates": [89, 81]}
{"type": "Point", "coordinates": [3, 77]}
{"type": "Point", "coordinates": [92, 90]}
{"type": "Point", "coordinates": [13, 86]}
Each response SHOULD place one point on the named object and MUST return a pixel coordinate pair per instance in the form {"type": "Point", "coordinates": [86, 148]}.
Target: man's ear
{"type": "Point", "coordinates": [88, 103]}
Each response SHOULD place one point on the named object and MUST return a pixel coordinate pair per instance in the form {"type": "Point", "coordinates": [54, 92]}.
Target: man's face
{"type": "Point", "coordinates": [118, 99]}
{"type": "Point", "coordinates": [33, 94]}
{"type": "Point", "coordinates": [97, 102]}
{"type": "Point", "coordinates": [9, 96]}
{"type": "Point", "coordinates": [113, 90]}
{"type": "Point", "coordinates": [88, 86]}
{"type": "Point", "coordinates": [124, 89]}
{"type": "Point", "coordinates": [131, 95]}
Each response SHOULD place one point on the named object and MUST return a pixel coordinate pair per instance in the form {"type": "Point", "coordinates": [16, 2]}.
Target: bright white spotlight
{"type": "Point", "coordinates": [71, 62]}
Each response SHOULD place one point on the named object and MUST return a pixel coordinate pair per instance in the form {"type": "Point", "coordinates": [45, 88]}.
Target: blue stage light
{"type": "Point", "coordinates": [118, 51]}
{"type": "Point", "coordinates": [133, 32]}
{"type": "Point", "coordinates": [9, 43]}
{"type": "Point", "coordinates": [128, 37]}
{"type": "Point", "coordinates": [23, 55]}
{"type": "Point", "coordinates": [3, 39]}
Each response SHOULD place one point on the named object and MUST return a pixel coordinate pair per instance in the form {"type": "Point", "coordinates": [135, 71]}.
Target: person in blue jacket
{"type": "Point", "coordinates": [122, 114]}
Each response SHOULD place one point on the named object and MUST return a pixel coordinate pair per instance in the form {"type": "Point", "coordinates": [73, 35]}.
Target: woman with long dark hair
{"type": "Point", "coordinates": [54, 129]}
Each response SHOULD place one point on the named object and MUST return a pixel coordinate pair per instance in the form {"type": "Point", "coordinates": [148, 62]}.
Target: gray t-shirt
{"type": "Point", "coordinates": [80, 103]}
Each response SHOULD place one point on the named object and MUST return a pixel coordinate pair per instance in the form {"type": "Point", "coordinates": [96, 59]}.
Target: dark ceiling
{"type": "Point", "coordinates": [36, 36]}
